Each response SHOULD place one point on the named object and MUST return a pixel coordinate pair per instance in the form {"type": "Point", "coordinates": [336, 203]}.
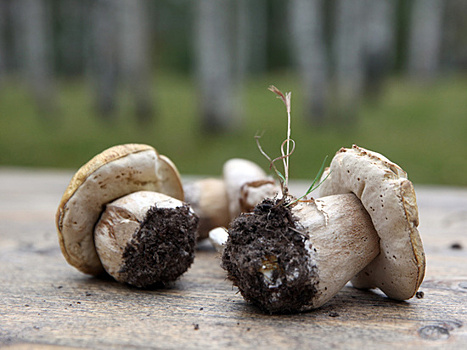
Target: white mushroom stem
{"type": "Point", "coordinates": [218, 236]}
{"type": "Point", "coordinates": [117, 228]}
{"type": "Point", "coordinates": [339, 241]}
{"type": "Point", "coordinates": [342, 241]}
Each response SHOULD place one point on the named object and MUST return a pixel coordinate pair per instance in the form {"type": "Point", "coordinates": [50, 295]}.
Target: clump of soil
{"type": "Point", "coordinates": [163, 248]}
{"type": "Point", "coordinates": [266, 258]}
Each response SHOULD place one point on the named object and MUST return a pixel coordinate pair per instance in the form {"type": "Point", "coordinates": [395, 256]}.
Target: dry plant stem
{"type": "Point", "coordinates": [286, 99]}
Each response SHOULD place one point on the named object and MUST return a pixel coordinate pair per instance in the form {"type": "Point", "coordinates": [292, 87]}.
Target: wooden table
{"type": "Point", "coordinates": [46, 303]}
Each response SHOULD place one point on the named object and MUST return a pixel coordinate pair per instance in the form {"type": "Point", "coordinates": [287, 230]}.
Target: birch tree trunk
{"type": "Point", "coordinates": [3, 45]}
{"type": "Point", "coordinates": [134, 55]}
{"type": "Point", "coordinates": [309, 52]}
{"type": "Point", "coordinates": [214, 64]}
{"type": "Point", "coordinates": [70, 41]}
{"type": "Point", "coordinates": [425, 38]}
{"type": "Point", "coordinates": [33, 34]}
{"type": "Point", "coordinates": [104, 58]}
{"type": "Point", "coordinates": [454, 41]}
{"type": "Point", "coordinates": [258, 35]}
{"type": "Point", "coordinates": [251, 37]}
{"type": "Point", "coordinates": [379, 43]}
{"type": "Point", "coordinates": [349, 39]}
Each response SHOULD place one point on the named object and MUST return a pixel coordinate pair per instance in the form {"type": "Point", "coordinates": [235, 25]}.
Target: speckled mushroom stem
{"type": "Point", "coordinates": [289, 259]}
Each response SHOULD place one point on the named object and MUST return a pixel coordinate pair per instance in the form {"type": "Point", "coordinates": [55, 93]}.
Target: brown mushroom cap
{"type": "Point", "coordinates": [116, 172]}
{"type": "Point", "coordinates": [389, 199]}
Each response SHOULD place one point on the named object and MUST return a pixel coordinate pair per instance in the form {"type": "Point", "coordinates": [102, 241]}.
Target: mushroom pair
{"type": "Point", "coordinates": [294, 256]}
{"type": "Point", "coordinates": [217, 201]}
{"type": "Point", "coordinates": [123, 213]}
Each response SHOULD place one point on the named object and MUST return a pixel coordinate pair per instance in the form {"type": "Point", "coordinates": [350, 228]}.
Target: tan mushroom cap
{"type": "Point", "coordinates": [116, 172]}
{"type": "Point", "coordinates": [389, 198]}
{"type": "Point", "coordinates": [246, 184]}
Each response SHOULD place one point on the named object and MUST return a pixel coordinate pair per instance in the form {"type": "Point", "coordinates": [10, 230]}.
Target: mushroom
{"type": "Point", "coordinates": [123, 213]}
{"type": "Point", "coordinates": [291, 256]}
{"type": "Point", "coordinates": [208, 198]}
{"type": "Point", "coordinates": [389, 198]}
{"type": "Point", "coordinates": [218, 201]}
{"type": "Point", "coordinates": [246, 185]}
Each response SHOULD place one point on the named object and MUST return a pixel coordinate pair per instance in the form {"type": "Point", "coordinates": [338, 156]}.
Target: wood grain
{"type": "Point", "coordinates": [46, 303]}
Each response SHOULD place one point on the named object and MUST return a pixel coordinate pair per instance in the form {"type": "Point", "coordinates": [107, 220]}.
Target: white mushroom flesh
{"type": "Point", "coordinates": [120, 220]}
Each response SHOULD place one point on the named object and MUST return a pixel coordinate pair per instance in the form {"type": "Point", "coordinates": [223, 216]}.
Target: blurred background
{"type": "Point", "coordinates": [191, 79]}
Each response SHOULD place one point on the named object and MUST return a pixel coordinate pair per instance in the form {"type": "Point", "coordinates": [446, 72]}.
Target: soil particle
{"type": "Point", "coordinates": [266, 258]}
{"type": "Point", "coordinates": [163, 248]}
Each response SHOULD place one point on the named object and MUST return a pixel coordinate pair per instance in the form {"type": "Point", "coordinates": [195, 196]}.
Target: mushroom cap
{"type": "Point", "coordinates": [389, 198]}
{"type": "Point", "coordinates": [114, 173]}
{"type": "Point", "coordinates": [246, 184]}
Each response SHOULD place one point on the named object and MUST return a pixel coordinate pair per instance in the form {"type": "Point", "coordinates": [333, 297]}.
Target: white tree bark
{"type": "Point", "coordinates": [134, 55]}
{"type": "Point", "coordinates": [214, 64]}
{"type": "Point", "coordinates": [425, 38]}
{"type": "Point", "coordinates": [309, 51]}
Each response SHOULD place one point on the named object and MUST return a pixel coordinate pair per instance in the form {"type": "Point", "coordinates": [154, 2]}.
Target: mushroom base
{"type": "Point", "coordinates": [266, 258]}
{"type": "Point", "coordinates": [163, 247]}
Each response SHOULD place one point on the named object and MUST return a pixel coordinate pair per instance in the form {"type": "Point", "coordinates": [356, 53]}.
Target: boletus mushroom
{"type": "Point", "coordinates": [217, 201]}
{"type": "Point", "coordinates": [123, 213]}
{"type": "Point", "coordinates": [292, 256]}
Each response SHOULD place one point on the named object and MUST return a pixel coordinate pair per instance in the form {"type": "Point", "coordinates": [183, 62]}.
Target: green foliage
{"type": "Point", "coordinates": [422, 128]}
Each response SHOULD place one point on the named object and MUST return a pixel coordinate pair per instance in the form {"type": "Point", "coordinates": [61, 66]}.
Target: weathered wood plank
{"type": "Point", "coordinates": [46, 303]}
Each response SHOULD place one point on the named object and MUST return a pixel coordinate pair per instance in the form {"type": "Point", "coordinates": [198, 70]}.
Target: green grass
{"type": "Point", "coordinates": [422, 128]}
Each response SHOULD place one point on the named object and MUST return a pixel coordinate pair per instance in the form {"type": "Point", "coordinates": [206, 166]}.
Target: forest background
{"type": "Point", "coordinates": [191, 79]}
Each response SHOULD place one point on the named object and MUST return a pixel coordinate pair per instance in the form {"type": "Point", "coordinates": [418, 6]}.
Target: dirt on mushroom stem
{"type": "Point", "coordinates": [266, 258]}
{"type": "Point", "coordinates": [162, 249]}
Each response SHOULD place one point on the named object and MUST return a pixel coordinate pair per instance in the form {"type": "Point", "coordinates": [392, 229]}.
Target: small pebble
{"type": "Point", "coordinates": [419, 295]}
